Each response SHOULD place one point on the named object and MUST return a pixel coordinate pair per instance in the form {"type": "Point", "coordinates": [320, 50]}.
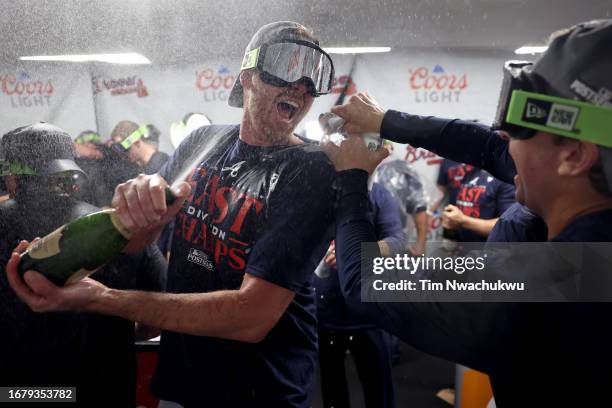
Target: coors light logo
{"type": "Point", "coordinates": [26, 91]}
{"type": "Point", "coordinates": [436, 85]}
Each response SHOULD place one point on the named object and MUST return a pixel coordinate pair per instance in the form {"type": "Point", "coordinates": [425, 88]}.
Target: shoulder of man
{"type": "Point", "coordinates": [310, 161]}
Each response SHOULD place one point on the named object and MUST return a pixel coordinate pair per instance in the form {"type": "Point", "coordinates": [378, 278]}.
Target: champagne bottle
{"type": "Point", "coordinates": [450, 239]}
{"type": "Point", "coordinates": [80, 247]}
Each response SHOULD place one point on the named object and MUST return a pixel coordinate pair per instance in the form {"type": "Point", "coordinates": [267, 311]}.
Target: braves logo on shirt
{"type": "Point", "coordinates": [457, 173]}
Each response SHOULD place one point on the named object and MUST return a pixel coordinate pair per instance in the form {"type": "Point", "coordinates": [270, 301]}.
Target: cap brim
{"type": "Point", "coordinates": [235, 98]}
{"type": "Point", "coordinates": [58, 166]}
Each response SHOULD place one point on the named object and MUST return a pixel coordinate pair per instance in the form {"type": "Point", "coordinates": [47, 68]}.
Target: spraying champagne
{"type": "Point", "coordinates": [79, 248]}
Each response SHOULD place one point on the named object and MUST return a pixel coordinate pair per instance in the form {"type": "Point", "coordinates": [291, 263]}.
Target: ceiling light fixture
{"type": "Point", "coordinates": [124, 58]}
{"type": "Point", "coordinates": [355, 50]}
{"type": "Point", "coordinates": [531, 49]}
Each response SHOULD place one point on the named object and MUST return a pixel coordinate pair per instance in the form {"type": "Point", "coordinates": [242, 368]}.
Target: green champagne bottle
{"type": "Point", "coordinates": [79, 248]}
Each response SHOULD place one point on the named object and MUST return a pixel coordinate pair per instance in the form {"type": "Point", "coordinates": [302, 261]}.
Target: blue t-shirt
{"type": "Point", "coordinates": [332, 311]}
{"type": "Point", "coordinates": [262, 210]}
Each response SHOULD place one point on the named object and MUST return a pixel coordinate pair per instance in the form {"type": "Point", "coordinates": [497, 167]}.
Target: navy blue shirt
{"type": "Point", "coordinates": [331, 308]}
{"type": "Point", "coordinates": [260, 210]}
{"type": "Point", "coordinates": [518, 224]}
{"type": "Point", "coordinates": [471, 143]}
{"type": "Point", "coordinates": [450, 176]}
{"type": "Point", "coordinates": [525, 348]}
{"type": "Point", "coordinates": [482, 196]}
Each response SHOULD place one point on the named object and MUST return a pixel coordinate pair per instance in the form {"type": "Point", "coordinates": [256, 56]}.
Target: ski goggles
{"type": "Point", "coordinates": [522, 111]}
{"type": "Point", "coordinates": [124, 146]}
{"type": "Point", "coordinates": [88, 138]}
{"type": "Point", "coordinates": [11, 168]}
{"type": "Point", "coordinates": [283, 63]}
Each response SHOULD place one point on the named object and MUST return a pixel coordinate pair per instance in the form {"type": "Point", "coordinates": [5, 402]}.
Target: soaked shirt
{"type": "Point", "coordinates": [266, 211]}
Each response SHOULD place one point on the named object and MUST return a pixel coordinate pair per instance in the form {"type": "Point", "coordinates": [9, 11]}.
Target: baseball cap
{"type": "Point", "coordinates": [313, 62]}
{"type": "Point", "coordinates": [38, 149]}
{"type": "Point", "coordinates": [567, 91]}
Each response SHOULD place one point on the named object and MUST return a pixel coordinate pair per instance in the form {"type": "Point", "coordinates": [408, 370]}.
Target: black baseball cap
{"type": "Point", "coordinates": [567, 91]}
{"type": "Point", "coordinates": [38, 149]}
{"type": "Point", "coordinates": [271, 33]}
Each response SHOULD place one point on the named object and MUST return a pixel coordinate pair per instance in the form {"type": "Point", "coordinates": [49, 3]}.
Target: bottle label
{"type": "Point", "coordinates": [46, 247]}
{"type": "Point", "coordinates": [127, 234]}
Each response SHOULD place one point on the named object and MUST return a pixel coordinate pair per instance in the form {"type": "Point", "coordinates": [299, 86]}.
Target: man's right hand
{"type": "Point", "coordinates": [361, 113]}
{"type": "Point", "coordinates": [141, 202]}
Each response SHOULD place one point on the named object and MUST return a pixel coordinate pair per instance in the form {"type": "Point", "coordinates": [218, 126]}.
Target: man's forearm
{"type": "Point", "coordinates": [226, 314]}
{"type": "Point", "coordinates": [420, 220]}
{"type": "Point", "coordinates": [458, 140]}
{"type": "Point", "coordinates": [479, 226]}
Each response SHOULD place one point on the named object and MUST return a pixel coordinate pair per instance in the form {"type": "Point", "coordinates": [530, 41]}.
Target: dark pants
{"type": "Point", "coordinates": [371, 354]}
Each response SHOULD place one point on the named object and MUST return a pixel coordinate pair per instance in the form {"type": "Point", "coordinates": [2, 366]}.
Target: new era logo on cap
{"type": "Point", "coordinates": [534, 111]}
{"type": "Point", "coordinates": [549, 114]}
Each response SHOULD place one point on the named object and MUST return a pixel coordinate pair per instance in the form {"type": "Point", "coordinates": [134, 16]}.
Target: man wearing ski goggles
{"type": "Point", "coordinates": [285, 59]}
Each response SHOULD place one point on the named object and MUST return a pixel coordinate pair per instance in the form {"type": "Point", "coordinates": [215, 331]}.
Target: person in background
{"type": "Point", "coordinates": [404, 184]}
{"type": "Point", "coordinates": [341, 331]}
{"type": "Point", "coordinates": [104, 167]}
{"type": "Point", "coordinates": [91, 352]}
{"type": "Point", "coordinates": [476, 200]}
{"type": "Point", "coordinates": [141, 147]}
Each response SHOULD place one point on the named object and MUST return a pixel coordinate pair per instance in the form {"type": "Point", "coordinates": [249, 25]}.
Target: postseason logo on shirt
{"type": "Point", "coordinates": [199, 257]}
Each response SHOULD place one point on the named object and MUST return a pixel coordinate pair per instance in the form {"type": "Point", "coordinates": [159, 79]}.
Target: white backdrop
{"type": "Point", "coordinates": [459, 85]}
{"type": "Point", "coordinates": [57, 94]}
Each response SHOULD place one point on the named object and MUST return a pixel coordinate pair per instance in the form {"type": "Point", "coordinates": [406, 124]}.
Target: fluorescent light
{"type": "Point", "coordinates": [531, 49]}
{"type": "Point", "coordinates": [125, 58]}
{"type": "Point", "coordinates": [355, 50]}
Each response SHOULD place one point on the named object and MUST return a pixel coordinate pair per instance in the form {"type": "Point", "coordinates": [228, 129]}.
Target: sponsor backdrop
{"type": "Point", "coordinates": [61, 95]}
{"type": "Point", "coordinates": [463, 85]}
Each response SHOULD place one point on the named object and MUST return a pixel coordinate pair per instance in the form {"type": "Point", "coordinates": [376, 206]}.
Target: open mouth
{"type": "Point", "coordinates": [287, 110]}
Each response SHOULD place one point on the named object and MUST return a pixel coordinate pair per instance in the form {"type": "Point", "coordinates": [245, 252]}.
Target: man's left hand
{"type": "Point", "coordinates": [354, 154]}
{"type": "Point", "coordinates": [41, 295]}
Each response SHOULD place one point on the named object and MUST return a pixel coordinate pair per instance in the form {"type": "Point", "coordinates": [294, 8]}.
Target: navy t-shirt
{"type": "Point", "coordinates": [518, 224]}
{"type": "Point", "coordinates": [262, 210]}
{"type": "Point", "coordinates": [332, 311]}
{"type": "Point", "coordinates": [482, 196]}
{"type": "Point", "coordinates": [451, 175]}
